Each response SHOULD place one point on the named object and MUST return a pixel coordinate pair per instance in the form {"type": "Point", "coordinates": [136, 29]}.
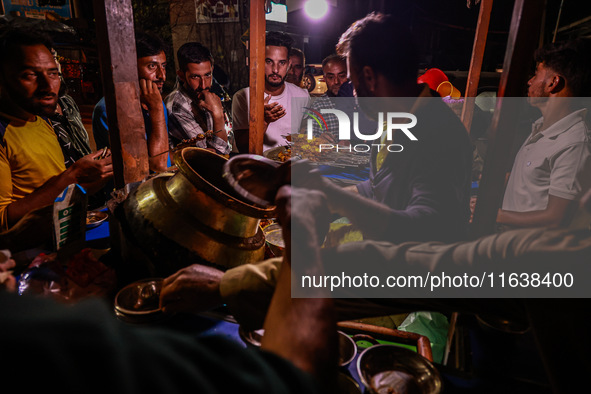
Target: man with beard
{"type": "Point", "coordinates": [32, 170]}
{"type": "Point", "coordinates": [553, 166]}
{"type": "Point", "coordinates": [282, 113]}
{"type": "Point", "coordinates": [151, 66]}
{"type": "Point", "coordinates": [296, 70]}
{"type": "Point", "coordinates": [195, 111]}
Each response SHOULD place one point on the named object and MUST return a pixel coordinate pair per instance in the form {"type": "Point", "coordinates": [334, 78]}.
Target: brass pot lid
{"type": "Point", "coordinates": [257, 178]}
{"type": "Point", "coordinates": [205, 170]}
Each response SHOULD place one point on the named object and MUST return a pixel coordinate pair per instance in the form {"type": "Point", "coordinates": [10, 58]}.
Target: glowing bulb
{"type": "Point", "coordinates": [316, 9]}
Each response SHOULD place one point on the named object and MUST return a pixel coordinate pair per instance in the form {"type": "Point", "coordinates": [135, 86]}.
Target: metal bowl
{"type": "Point", "coordinates": [95, 218]}
{"type": "Point", "coordinates": [139, 301]}
{"type": "Point", "coordinates": [347, 349]}
{"type": "Point", "coordinates": [274, 238]}
{"type": "Point", "coordinates": [393, 369]}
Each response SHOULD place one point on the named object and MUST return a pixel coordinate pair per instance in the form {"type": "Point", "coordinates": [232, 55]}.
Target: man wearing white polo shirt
{"type": "Point", "coordinates": [553, 166]}
{"type": "Point", "coordinates": [283, 114]}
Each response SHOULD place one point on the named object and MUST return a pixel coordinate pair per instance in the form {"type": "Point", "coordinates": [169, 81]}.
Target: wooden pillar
{"type": "Point", "coordinates": [523, 40]}
{"type": "Point", "coordinates": [257, 76]}
{"type": "Point", "coordinates": [476, 62]}
{"type": "Point", "coordinates": [116, 44]}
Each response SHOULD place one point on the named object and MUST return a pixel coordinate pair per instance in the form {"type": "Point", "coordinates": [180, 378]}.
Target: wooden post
{"type": "Point", "coordinates": [127, 134]}
{"type": "Point", "coordinates": [476, 62]}
{"type": "Point", "coordinates": [257, 76]}
{"type": "Point", "coordinates": [523, 40]}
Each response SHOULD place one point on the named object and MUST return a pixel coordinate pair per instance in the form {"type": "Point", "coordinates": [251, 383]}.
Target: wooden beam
{"type": "Point", "coordinates": [117, 55]}
{"type": "Point", "coordinates": [523, 40]}
{"type": "Point", "coordinates": [257, 76]}
{"type": "Point", "coordinates": [476, 62]}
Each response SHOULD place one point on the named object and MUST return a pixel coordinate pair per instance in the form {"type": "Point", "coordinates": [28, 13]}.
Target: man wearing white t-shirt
{"type": "Point", "coordinates": [282, 114]}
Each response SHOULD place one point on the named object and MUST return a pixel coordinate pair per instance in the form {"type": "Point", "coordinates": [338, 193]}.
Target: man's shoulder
{"type": "Point", "coordinates": [176, 100]}
{"type": "Point", "coordinates": [322, 102]}
{"type": "Point", "coordinates": [100, 107]}
{"type": "Point", "coordinates": [241, 94]}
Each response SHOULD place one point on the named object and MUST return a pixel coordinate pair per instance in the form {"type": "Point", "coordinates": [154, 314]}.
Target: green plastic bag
{"type": "Point", "coordinates": [433, 325]}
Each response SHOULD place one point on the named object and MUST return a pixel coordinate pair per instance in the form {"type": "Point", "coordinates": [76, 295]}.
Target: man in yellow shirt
{"type": "Point", "coordinates": [32, 170]}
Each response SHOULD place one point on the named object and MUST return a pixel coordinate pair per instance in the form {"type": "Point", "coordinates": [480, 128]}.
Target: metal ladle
{"type": "Point", "coordinates": [257, 178]}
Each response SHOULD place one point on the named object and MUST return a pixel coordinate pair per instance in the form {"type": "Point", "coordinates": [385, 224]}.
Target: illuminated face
{"type": "Point", "coordinates": [335, 75]}
{"type": "Point", "coordinates": [31, 80]}
{"type": "Point", "coordinates": [536, 86]}
{"type": "Point", "coordinates": [198, 76]}
{"type": "Point", "coordinates": [296, 71]}
{"type": "Point", "coordinates": [276, 65]}
{"type": "Point", "coordinates": [153, 68]}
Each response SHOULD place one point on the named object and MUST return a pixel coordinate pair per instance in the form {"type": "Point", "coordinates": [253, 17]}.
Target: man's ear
{"type": "Point", "coordinates": [556, 84]}
{"type": "Point", "coordinates": [181, 75]}
{"type": "Point", "coordinates": [370, 78]}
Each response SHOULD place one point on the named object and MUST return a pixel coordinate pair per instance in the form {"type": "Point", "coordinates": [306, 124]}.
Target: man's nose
{"type": "Point", "coordinates": [202, 84]}
{"type": "Point", "coordinates": [161, 73]}
{"type": "Point", "coordinates": [44, 82]}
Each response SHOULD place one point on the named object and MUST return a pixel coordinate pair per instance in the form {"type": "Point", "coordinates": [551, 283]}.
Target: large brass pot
{"type": "Point", "coordinates": [194, 216]}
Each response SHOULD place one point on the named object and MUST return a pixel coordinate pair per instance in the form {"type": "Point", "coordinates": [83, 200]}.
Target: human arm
{"type": "Point", "coordinates": [422, 218]}
{"type": "Point", "coordinates": [570, 176]}
{"type": "Point", "coordinates": [90, 172]}
{"type": "Point", "coordinates": [313, 345]}
{"type": "Point", "coordinates": [212, 104]}
{"type": "Point", "coordinates": [158, 139]}
{"type": "Point", "coordinates": [556, 212]}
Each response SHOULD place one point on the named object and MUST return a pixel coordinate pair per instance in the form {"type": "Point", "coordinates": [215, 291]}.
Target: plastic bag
{"type": "Point", "coordinates": [433, 325]}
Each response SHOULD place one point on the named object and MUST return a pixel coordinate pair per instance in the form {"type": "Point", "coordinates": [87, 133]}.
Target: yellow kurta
{"type": "Point", "coordinates": [29, 155]}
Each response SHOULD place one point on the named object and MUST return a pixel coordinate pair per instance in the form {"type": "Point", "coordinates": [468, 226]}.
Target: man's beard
{"type": "Point", "coordinates": [274, 84]}
{"type": "Point", "coordinates": [29, 104]}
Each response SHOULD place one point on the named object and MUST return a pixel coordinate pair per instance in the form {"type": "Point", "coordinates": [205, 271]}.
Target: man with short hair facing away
{"type": "Point", "coordinates": [32, 169]}
{"type": "Point", "coordinates": [283, 114]}
{"type": "Point", "coordinates": [553, 166]}
{"type": "Point", "coordinates": [151, 66]}
{"type": "Point", "coordinates": [296, 70]}
{"type": "Point", "coordinates": [195, 111]}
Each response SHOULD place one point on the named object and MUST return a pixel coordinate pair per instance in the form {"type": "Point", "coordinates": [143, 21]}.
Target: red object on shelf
{"type": "Point", "coordinates": [433, 77]}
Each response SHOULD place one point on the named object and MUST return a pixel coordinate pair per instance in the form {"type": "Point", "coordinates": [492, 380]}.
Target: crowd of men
{"type": "Point", "coordinates": [420, 195]}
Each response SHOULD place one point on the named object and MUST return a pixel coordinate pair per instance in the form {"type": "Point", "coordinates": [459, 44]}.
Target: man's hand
{"type": "Point", "coordinates": [7, 280]}
{"type": "Point", "coordinates": [192, 289]}
{"type": "Point", "coordinates": [150, 95]}
{"type": "Point", "coordinates": [273, 111]}
{"type": "Point", "coordinates": [211, 103]}
{"type": "Point", "coordinates": [312, 216]}
{"type": "Point", "coordinates": [92, 172]}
